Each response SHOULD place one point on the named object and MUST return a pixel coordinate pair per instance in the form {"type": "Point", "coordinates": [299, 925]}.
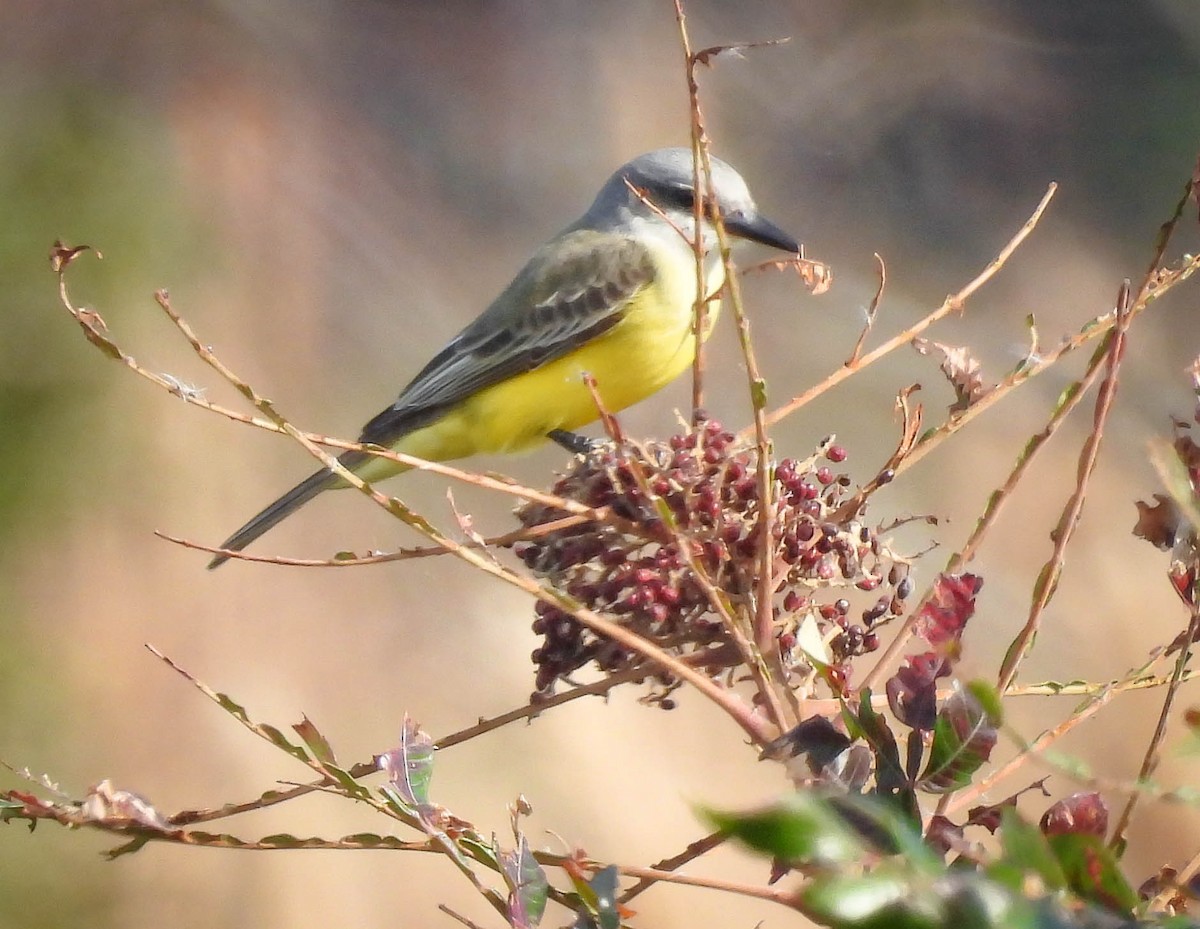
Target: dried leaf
{"type": "Point", "coordinates": [1158, 523]}
{"type": "Point", "coordinates": [963, 371]}
{"type": "Point", "coordinates": [62, 255]}
{"type": "Point", "coordinates": [108, 806]}
{"type": "Point", "coordinates": [816, 275]}
{"type": "Point", "coordinates": [706, 56]}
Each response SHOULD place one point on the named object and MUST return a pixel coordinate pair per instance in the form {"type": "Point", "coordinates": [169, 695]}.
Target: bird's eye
{"type": "Point", "coordinates": [677, 197]}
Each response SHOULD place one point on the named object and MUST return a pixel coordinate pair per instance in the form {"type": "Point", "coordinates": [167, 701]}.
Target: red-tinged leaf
{"type": "Point", "coordinates": [944, 835]}
{"type": "Point", "coordinates": [991, 816]}
{"type": "Point", "coordinates": [963, 739]}
{"type": "Point", "coordinates": [948, 609]}
{"type": "Point", "coordinates": [1085, 813]}
{"type": "Point", "coordinates": [1195, 373]}
{"type": "Point", "coordinates": [1158, 523]}
{"type": "Point", "coordinates": [1189, 454]}
{"type": "Point", "coordinates": [912, 690]}
{"type": "Point", "coordinates": [527, 886]}
{"type": "Point", "coordinates": [1166, 882]}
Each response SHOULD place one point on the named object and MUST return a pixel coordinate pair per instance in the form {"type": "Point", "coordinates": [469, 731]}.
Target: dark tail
{"type": "Point", "coordinates": [282, 508]}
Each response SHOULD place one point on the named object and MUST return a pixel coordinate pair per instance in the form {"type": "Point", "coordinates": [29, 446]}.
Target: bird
{"type": "Point", "coordinates": [613, 295]}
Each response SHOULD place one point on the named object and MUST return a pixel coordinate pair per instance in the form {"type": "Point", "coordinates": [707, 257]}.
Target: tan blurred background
{"type": "Point", "coordinates": [330, 191]}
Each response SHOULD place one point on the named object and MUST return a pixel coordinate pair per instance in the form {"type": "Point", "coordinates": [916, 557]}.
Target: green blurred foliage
{"type": "Point", "coordinates": [85, 165]}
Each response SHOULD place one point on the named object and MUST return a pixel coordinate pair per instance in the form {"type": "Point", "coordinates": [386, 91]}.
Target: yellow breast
{"type": "Point", "coordinates": [651, 346]}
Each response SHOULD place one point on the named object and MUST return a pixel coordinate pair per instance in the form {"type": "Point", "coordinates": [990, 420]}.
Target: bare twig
{"type": "Point", "coordinates": [700, 847]}
{"type": "Point", "coordinates": [951, 304]}
{"type": "Point", "coordinates": [1113, 352]}
{"type": "Point", "coordinates": [1151, 759]}
{"type": "Point", "coordinates": [872, 310]}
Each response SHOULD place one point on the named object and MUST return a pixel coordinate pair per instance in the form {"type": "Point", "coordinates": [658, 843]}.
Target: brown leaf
{"type": "Point", "coordinates": [963, 371]}
{"type": "Point", "coordinates": [706, 55]}
{"type": "Point", "coordinates": [92, 320]}
{"type": "Point", "coordinates": [817, 276]}
{"type": "Point", "coordinates": [1159, 523]}
{"type": "Point", "coordinates": [110, 806]}
{"type": "Point", "coordinates": [62, 255]}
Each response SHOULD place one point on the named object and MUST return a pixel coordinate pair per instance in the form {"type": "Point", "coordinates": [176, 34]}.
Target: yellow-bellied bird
{"type": "Point", "coordinates": [613, 294]}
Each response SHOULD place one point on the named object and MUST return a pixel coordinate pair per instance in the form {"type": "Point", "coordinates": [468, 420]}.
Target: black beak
{"type": "Point", "coordinates": [759, 229]}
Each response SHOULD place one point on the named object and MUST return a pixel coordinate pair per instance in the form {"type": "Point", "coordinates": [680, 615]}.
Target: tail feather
{"type": "Point", "coordinates": [282, 508]}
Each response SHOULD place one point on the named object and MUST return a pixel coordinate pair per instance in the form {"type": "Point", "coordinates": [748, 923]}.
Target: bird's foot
{"type": "Point", "coordinates": [573, 441]}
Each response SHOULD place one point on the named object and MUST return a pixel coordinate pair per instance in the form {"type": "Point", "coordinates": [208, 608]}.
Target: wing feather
{"type": "Point", "coordinates": [573, 290]}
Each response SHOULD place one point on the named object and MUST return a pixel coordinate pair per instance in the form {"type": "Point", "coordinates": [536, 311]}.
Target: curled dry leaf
{"type": "Point", "coordinates": [1158, 523]}
{"type": "Point", "coordinates": [706, 56]}
{"type": "Point", "coordinates": [110, 806]}
{"type": "Point", "coordinates": [962, 370]}
{"type": "Point", "coordinates": [62, 255]}
{"type": "Point", "coordinates": [816, 275]}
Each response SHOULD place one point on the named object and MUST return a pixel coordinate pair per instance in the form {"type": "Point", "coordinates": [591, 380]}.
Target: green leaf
{"type": "Point", "coordinates": [758, 393]}
{"type": "Point", "coordinates": [279, 740]}
{"type": "Point", "coordinates": [409, 767]}
{"type": "Point", "coordinates": [1092, 870]}
{"type": "Point", "coordinates": [599, 898]}
{"type": "Point", "coordinates": [803, 828]}
{"type": "Point", "coordinates": [874, 730]}
{"type": "Point", "coordinates": [1025, 851]}
{"type": "Point", "coordinates": [316, 742]}
{"type": "Point", "coordinates": [963, 738]}
{"type": "Point", "coordinates": [527, 885]}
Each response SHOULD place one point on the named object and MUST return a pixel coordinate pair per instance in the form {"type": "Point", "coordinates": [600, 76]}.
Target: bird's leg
{"type": "Point", "coordinates": [573, 441]}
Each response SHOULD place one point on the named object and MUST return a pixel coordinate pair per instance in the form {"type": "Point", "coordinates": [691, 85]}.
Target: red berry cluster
{"type": "Point", "coordinates": [639, 570]}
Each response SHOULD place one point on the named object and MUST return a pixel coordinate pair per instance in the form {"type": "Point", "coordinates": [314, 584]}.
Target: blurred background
{"type": "Point", "coordinates": [330, 191]}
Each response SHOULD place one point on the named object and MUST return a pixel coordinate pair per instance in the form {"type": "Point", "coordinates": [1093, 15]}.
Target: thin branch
{"type": "Point", "coordinates": [872, 311]}
{"type": "Point", "coordinates": [1047, 582]}
{"type": "Point", "coordinates": [700, 847]}
{"type": "Point", "coordinates": [953, 303]}
{"type": "Point", "coordinates": [1151, 759]}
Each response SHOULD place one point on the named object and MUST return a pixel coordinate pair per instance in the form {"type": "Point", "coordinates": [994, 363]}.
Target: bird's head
{"type": "Point", "coordinates": [666, 179]}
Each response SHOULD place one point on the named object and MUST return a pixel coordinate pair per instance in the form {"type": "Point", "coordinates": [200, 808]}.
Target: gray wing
{"type": "Point", "coordinates": [570, 292]}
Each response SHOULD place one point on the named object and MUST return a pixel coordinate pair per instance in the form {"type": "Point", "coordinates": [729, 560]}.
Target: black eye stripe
{"type": "Point", "coordinates": [678, 197]}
